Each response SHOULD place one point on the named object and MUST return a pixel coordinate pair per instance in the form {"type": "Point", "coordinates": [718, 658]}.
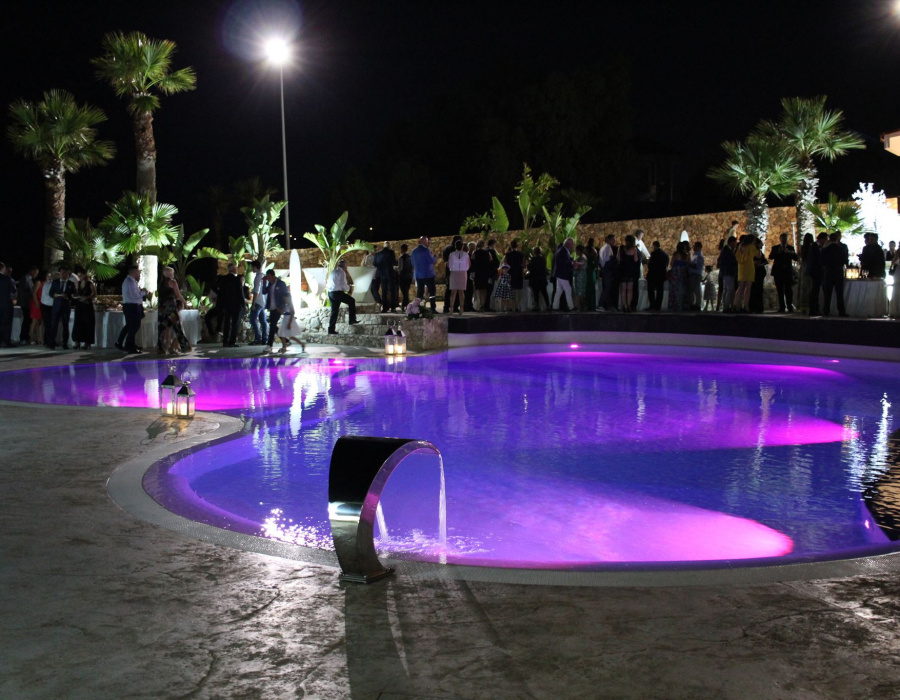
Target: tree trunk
{"type": "Point", "coordinates": [146, 186]}
{"type": "Point", "coordinates": [758, 218]}
{"type": "Point", "coordinates": [145, 146]}
{"type": "Point", "coordinates": [806, 194]}
{"type": "Point", "coordinates": [55, 181]}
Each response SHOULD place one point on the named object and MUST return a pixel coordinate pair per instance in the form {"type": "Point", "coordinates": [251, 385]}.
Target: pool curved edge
{"type": "Point", "coordinates": [125, 488]}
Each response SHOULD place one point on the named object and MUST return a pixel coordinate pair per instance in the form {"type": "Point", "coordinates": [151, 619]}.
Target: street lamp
{"type": "Point", "coordinates": [278, 52]}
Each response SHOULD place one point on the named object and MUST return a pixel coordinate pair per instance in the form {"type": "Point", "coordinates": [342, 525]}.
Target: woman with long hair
{"type": "Point", "coordinates": [629, 260]}
{"type": "Point", "coordinates": [678, 277]}
{"type": "Point", "coordinates": [169, 330]}
{"type": "Point", "coordinates": [745, 254]}
{"type": "Point", "coordinates": [84, 328]}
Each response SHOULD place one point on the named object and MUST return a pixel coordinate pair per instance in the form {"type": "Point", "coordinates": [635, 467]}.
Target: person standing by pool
{"type": "Point", "coordinates": [24, 292]}
{"type": "Point", "coordinates": [62, 291]}
{"type": "Point", "coordinates": [564, 268]}
{"type": "Point", "coordinates": [629, 259]}
{"type": "Point", "coordinates": [133, 310]}
{"type": "Point", "coordinates": [783, 257]}
{"type": "Point", "coordinates": [338, 288]}
{"type": "Point", "coordinates": [258, 306]}
{"type": "Point", "coordinates": [579, 278]}
{"type": "Point", "coordinates": [457, 276]}
{"type": "Point", "coordinates": [482, 268]}
{"type": "Point", "coordinates": [169, 329]}
{"type": "Point", "coordinates": [537, 278]}
{"type": "Point", "coordinates": [746, 272]}
{"type": "Point", "coordinates": [404, 273]}
{"type": "Point", "coordinates": [383, 291]}
{"type": "Point", "coordinates": [275, 291]}
{"type": "Point", "coordinates": [696, 269]}
{"type": "Point", "coordinates": [871, 259]}
{"type": "Point", "coordinates": [609, 293]}
{"type": "Point", "coordinates": [423, 265]}
{"type": "Point", "coordinates": [593, 259]}
{"type": "Point", "coordinates": [516, 261]}
{"type": "Point", "coordinates": [84, 328]}
{"type": "Point", "coordinates": [231, 303]}
{"type": "Point", "coordinates": [679, 295]}
{"type": "Point", "coordinates": [728, 269]}
{"type": "Point", "coordinates": [657, 267]}
{"type": "Point", "coordinates": [835, 257]}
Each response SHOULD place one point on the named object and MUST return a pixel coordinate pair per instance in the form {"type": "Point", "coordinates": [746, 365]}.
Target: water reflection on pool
{"type": "Point", "coordinates": [555, 456]}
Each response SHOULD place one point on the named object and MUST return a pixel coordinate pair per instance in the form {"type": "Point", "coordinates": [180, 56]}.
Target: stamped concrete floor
{"type": "Point", "coordinates": [97, 604]}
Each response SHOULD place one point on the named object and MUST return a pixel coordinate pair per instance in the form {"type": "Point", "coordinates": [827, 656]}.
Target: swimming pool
{"type": "Point", "coordinates": [577, 458]}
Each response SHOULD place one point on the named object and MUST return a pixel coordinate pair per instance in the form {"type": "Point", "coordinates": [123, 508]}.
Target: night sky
{"type": "Point", "coordinates": [700, 73]}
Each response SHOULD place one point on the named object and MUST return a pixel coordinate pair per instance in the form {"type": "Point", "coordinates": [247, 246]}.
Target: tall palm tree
{"type": "Point", "coordinates": [810, 133]}
{"type": "Point", "coordinates": [138, 68]}
{"type": "Point", "coordinates": [60, 136]}
{"type": "Point", "coordinates": [757, 168]}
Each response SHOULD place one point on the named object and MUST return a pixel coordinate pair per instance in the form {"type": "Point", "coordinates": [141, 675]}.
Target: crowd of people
{"type": "Point", "coordinates": [584, 277]}
{"type": "Point", "coordinates": [477, 277]}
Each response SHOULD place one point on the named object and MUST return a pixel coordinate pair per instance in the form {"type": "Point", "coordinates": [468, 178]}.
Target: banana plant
{"type": "Point", "coordinates": [533, 196]}
{"type": "Point", "coordinates": [82, 244]}
{"type": "Point", "coordinates": [335, 243]}
{"type": "Point", "coordinates": [262, 233]}
{"type": "Point", "coordinates": [560, 227]}
{"type": "Point", "coordinates": [196, 295]}
{"type": "Point", "coordinates": [491, 222]}
{"type": "Point", "coordinates": [181, 253]}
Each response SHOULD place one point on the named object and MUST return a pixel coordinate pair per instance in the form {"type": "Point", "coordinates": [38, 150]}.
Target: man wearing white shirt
{"type": "Point", "coordinates": [133, 308]}
{"type": "Point", "coordinates": [258, 309]}
{"type": "Point", "coordinates": [338, 287]}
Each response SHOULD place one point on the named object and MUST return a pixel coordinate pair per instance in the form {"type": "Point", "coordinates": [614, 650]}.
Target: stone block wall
{"type": "Point", "coordinates": [706, 228]}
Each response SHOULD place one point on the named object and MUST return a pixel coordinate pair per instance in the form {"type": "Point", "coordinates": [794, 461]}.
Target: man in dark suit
{"type": "Point", "coordinates": [813, 270]}
{"type": "Point", "coordinates": [230, 303]}
{"type": "Point", "coordinates": [783, 257]}
{"type": "Point", "coordinates": [61, 290]}
{"type": "Point", "coordinates": [657, 270]}
{"type": "Point", "coordinates": [384, 261]}
{"type": "Point", "coordinates": [835, 257]}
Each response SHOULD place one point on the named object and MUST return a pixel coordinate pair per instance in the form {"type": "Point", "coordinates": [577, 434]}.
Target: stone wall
{"type": "Point", "coordinates": [706, 228]}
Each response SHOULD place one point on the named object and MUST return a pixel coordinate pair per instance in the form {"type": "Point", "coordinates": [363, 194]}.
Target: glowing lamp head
{"type": "Point", "coordinates": [278, 52]}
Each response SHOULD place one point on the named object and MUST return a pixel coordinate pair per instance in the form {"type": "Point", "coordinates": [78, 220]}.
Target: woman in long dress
{"type": "Point", "coordinates": [169, 330]}
{"type": "Point", "coordinates": [678, 277]}
{"type": "Point", "coordinates": [84, 327]}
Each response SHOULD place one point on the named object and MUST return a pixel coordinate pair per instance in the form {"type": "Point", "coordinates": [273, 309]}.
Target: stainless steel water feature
{"type": "Point", "coordinates": [360, 467]}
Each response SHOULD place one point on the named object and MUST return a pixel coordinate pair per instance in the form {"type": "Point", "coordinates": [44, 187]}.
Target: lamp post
{"type": "Point", "coordinates": [278, 52]}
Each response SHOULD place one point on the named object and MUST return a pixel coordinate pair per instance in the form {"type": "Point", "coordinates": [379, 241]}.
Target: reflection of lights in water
{"type": "Point", "coordinates": [700, 431]}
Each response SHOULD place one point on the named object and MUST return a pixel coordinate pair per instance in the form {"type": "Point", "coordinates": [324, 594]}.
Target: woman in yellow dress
{"type": "Point", "coordinates": [745, 253]}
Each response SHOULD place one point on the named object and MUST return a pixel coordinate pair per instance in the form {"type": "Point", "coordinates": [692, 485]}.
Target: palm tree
{"type": "Point", "coordinates": [92, 249]}
{"type": "Point", "coordinates": [810, 133]}
{"type": "Point", "coordinates": [137, 68]}
{"type": "Point", "coordinates": [60, 136]}
{"type": "Point", "coordinates": [757, 168]}
{"type": "Point", "coordinates": [141, 227]}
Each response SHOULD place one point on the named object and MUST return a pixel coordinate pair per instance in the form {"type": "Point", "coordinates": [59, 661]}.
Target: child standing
{"type": "Point", "coordinates": [709, 290]}
{"type": "Point", "coordinates": [503, 289]}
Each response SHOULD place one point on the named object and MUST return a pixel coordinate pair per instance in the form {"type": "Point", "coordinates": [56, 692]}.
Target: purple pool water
{"type": "Point", "coordinates": [555, 456]}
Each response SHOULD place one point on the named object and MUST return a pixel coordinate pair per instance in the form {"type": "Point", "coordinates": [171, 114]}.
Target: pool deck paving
{"type": "Point", "coordinates": [99, 604]}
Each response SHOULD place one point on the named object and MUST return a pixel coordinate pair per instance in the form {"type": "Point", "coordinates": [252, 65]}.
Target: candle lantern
{"type": "Point", "coordinates": [400, 342]}
{"type": "Point", "coordinates": [168, 390]}
{"type": "Point", "coordinates": [185, 401]}
{"type": "Point", "coordinates": [390, 340]}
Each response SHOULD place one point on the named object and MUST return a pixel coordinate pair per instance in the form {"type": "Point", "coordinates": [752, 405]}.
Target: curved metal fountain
{"type": "Point", "coordinates": [360, 467]}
